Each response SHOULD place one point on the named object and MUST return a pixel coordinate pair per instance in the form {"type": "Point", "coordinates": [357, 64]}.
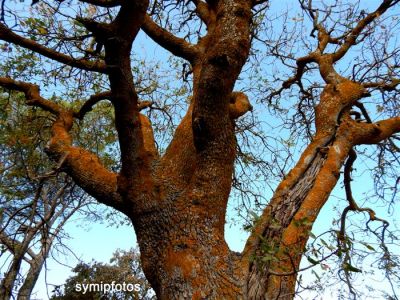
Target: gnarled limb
{"type": "Point", "coordinates": [88, 105]}
{"type": "Point", "coordinates": [351, 37]}
{"type": "Point", "coordinates": [173, 44]}
{"type": "Point", "coordinates": [298, 208]}
{"type": "Point", "coordinates": [301, 194]}
{"type": "Point", "coordinates": [203, 11]}
{"type": "Point", "coordinates": [83, 166]}
{"type": "Point", "coordinates": [179, 158]}
{"type": "Point", "coordinates": [349, 135]}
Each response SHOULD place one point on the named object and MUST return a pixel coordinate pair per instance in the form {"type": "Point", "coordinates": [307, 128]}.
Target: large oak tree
{"type": "Point", "coordinates": [177, 199]}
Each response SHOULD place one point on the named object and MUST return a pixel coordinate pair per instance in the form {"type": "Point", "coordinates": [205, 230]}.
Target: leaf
{"type": "Point", "coordinates": [350, 268]}
{"type": "Point", "coordinates": [316, 275]}
{"type": "Point", "coordinates": [42, 30]}
{"type": "Point", "coordinates": [368, 246]}
{"type": "Point", "coordinates": [313, 261]}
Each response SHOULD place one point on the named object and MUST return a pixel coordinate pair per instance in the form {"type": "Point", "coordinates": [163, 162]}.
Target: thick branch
{"type": "Point", "coordinates": [32, 94]}
{"type": "Point", "coordinates": [83, 166]}
{"type": "Point", "coordinates": [12, 244]}
{"type": "Point", "coordinates": [88, 105]}
{"type": "Point", "coordinates": [7, 35]}
{"type": "Point", "coordinates": [203, 11]}
{"type": "Point", "coordinates": [384, 86]}
{"type": "Point", "coordinates": [376, 132]}
{"type": "Point", "coordinates": [175, 45]}
{"type": "Point", "coordinates": [361, 25]}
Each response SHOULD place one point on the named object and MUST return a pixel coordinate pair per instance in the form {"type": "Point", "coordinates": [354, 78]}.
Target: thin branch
{"type": "Point", "coordinates": [353, 206]}
{"type": "Point", "coordinates": [104, 3]}
{"type": "Point", "coordinates": [145, 104]}
{"type": "Point", "coordinates": [304, 268]}
{"type": "Point", "coordinates": [363, 111]}
{"type": "Point", "coordinates": [301, 65]}
{"type": "Point", "coordinates": [7, 35]}
{"type": "Point", "coordinates": [258, 2]}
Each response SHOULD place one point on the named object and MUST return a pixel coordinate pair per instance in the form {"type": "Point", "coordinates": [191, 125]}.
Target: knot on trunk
{"type": "Point", "coordinates": [239, 104]}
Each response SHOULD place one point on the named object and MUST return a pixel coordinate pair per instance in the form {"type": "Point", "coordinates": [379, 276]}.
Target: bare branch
{"type": "Point", "coordinates": [88, 105]}
{"type": "Point", "coordinates": [301, 65]}
{"type": "Point", "coordinates": [384, 86]}
{"type": "Point", "coordinates": [361, 25]}
{"type": "Point", "coordinates": [13, 244]}
{"type": "Point", "coordinates": [203, 11]}
{"type": "Point", "coordinates": [175, 45]}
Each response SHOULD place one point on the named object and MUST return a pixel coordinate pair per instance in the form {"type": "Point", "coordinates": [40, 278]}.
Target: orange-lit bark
{"type": "Point", "coordinates": [190, 258]}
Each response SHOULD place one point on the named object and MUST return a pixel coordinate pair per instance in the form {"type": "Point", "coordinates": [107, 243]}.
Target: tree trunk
{"type": "Point", "coordinates": [8, 282]}
{"type": "Point", "coordinates": [184, 257]}
{"type": "Point", "coordinates": [30, 279]}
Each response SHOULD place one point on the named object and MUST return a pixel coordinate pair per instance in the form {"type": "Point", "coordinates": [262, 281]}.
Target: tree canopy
{"type": "Point", "coordinates": [259, 106]}
{"type": "Point", "coordinates": [124, 267]}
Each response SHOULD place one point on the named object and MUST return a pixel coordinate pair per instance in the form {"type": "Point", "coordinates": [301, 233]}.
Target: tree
{"type": "Point", "coordinates": [36, 203]}
{"type": "Point", "coordinates": [124, 268]}
{"type": "Point", "coordinates": [177, 198]}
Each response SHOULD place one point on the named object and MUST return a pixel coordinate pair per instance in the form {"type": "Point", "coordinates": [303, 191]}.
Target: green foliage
{"type": "Point", "coordinates": [124, 267]}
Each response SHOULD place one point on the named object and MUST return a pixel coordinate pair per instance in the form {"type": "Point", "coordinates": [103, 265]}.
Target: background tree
{"type": "Point", "coordinates": [124, 268]}
{"type": "Point", "coordinates": [36, 201]}
{"type": "Point", "coordinates": [177, 196]}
